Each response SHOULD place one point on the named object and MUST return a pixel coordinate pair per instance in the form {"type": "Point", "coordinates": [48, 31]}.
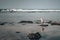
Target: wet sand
{"type": "Point", "coordinates": [20, 32]}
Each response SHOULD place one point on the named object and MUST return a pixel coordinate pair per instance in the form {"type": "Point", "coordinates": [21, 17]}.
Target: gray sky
{"type": "Point", "coordinates": [30, 4]}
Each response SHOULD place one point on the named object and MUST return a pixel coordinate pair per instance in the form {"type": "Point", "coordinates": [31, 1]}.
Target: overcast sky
{"type": "Point", "coordinates": [30, 4]}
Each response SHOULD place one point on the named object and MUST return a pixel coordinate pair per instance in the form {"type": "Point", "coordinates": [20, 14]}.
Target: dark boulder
{"type": "Point", "coordinates": [37, 35]}
{"type": "Point", "coordinates": [55, 23]}
{"type": "Point", "coordinates": [17, 32]}
{"type": "Point", "coordinates": [45, 25]}
{"type": "Point", "coordinates": [25, 22]}
{"type": "Point", "coordinates": [34, 36]}
{"type": "Point", "coordinates": [3, 23]}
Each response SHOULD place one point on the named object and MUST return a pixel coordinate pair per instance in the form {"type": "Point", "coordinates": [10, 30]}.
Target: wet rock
{"type": "Point", "coordinates": [35, 36]}
{"type": "Point", "coordinates": [3, 23]}
{"type": "Point", "coordinates": [45, 25]}
{"type": "Point", "coordinates": [25, 22]}
{"type": "Point", "coordinates": [17, 32]}
{"type": "Point", "coordinates": [55, 23]}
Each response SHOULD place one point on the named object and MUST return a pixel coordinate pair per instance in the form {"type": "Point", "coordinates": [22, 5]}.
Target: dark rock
{"type": "Point", "coordinates": [55, 23]}
{"type": "Point", "coordinates": [44, 25]}
{"type": "Point", "coordinates": [37, 35]}
{"type": "Point", "coordinates": [3, 23]}
{"type": "Point", "coordinates": [17, 32]}
{"type": "Point", "coordinates": [26, 22]}
{"type": "Point", "coordinates": [33, 36]}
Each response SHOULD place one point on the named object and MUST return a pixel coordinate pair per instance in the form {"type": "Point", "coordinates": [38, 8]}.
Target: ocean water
{"type": "Point", "coordinates": [16, 17]}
